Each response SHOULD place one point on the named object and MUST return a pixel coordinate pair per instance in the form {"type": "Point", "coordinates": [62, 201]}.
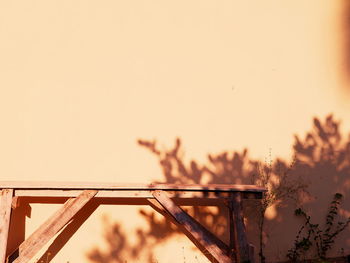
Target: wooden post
{"type": "Point", "coordinates": [238, 238]}
{"type": "Point", "coordinates": [50, 227]}
{"type": "Point", "coordinates": [5, 215]}
{"type": "Point", "coordinates": [234, 249]}
{"type": "Point", "coordinates": [20, 210]}
{"type": "Point", "coordinates": [191, 226]}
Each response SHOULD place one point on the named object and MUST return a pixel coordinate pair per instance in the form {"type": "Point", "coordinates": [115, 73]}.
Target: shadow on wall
{"type": "Point", "coordinates": [321, 162]}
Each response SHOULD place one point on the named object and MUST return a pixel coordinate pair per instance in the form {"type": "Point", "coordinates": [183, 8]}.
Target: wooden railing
{"type": "Point", "coordinates": [164, 198]}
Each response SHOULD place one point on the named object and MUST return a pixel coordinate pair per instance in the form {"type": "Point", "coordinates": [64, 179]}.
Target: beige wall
{"type": "Point", "coordinates": [81, 81]}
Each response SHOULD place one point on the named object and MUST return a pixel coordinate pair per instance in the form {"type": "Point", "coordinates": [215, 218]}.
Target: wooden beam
{"type": "Point", "coordinates": [15, 202]}
{"type": "Point", "coordinates": [117, 193]}
{"type": "Point", "coordinates": [234, 248]}
{"type": "Point", "coordinates": [28, 249]}
{"type": "Point", "coordinates": [238, 237]}
{"type": "Point", "coordinates": [124, 186]}
{"type": "Point", "coordinates": [157, 207]}
{"type": "Point", "coordinates": [17, 226]}
{"type": "Point", "coordinates": [135, 194]}
{"type": "Point", "coordinates": [192, 227]}
{"type": "Point", "coordinates": [5, 215]}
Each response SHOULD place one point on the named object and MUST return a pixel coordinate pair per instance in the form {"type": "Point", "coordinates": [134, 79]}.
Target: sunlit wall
{"type": "Point", "coordinates": [81, 81]}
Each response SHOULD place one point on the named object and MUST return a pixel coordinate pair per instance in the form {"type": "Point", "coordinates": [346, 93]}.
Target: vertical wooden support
{"type": "Point", "coordinates": [191, 226]}
{"type": "Point", "coordinates": [20, 210]}
{"type": "Point", "coordinates": [234, 249]}
{"type": "Point", "coordinates": [50, 227]}
{"type": "Point", "coordinates": [238, 238]}
{"type": "Point", "coordinates": [5, 215]}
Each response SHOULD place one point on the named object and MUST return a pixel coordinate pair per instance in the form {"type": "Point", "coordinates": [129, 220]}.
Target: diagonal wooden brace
{"type": "Point", "coordinates": [192, 227]}
{"type": "Point", "coordinates": [32, 245]}
{"type": "Point", "coordinates": [5, 215]}
{"type": "Point", "coordinates": [156, 206]}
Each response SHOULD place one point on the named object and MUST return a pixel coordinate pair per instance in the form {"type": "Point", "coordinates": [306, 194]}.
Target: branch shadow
{"type": "Point", "coordinates": [321, 163]}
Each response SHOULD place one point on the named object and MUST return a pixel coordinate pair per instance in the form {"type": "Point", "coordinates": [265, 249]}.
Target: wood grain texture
{"type": "Point", "coordinates": [160, 209]}
{"type": "Point", "coordinates": [192, 227]}
{"type": "Point", "coordinates": [238, 236]}
{"type": "Point", "coordinates": [136, 194]}
{"type": "Point", "coordinates": [51, 226]}
{"type": "Point", "coordinates": [125, 186]}
{"type": "Point", "coordinates": [5, 215]}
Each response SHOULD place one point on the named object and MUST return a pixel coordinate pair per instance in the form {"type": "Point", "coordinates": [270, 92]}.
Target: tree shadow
{"type": "Point", "coordinates": [118, 247]}
{"type": "Point", "coordinates": [321, 161]}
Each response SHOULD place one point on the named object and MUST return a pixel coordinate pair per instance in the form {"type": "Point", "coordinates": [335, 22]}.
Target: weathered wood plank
{"type": "Point", "coordinates": [238, 236]}
{"type": "Point", "coordinates": [15, 202]}
{"type": "Point", "coordinates": [138, 194]}
{"type": "Point", "coordinates": [125, 186]}
{"type": "Point", "coordinates": [5, 215]}
{"type": "Point", "coordinates": [160, 209]}
{"type": "Point", "coordinates": [191, 226]}
{"type": "Point", "coordinates": [234, 248]}
{"type": "Point", "coordinates": [50, 227]}
{"type": "Point", "coordinates": [116, 193]}
{"type": "Point", "coordinates": [17, 226]}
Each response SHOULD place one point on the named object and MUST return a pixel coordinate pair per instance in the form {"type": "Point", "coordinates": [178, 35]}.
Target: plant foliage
{"type": "Point", "coordinates": [313, 235]}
